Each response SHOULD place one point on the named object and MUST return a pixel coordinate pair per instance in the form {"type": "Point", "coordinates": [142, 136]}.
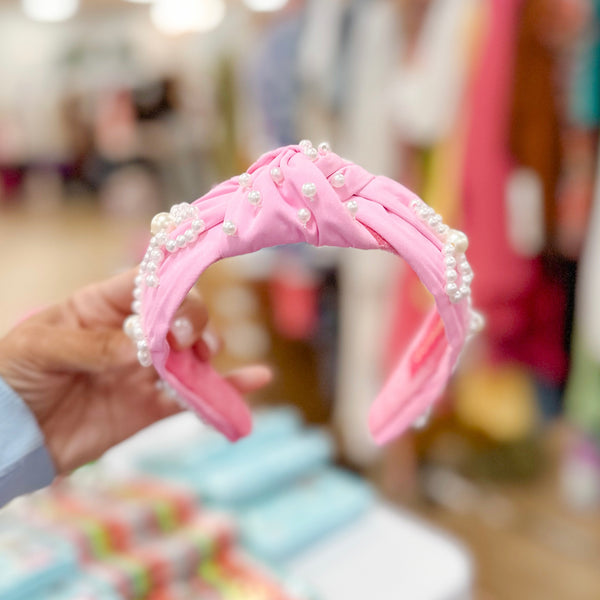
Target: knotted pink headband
{"type": "Point", "coordinates": [304, 194]}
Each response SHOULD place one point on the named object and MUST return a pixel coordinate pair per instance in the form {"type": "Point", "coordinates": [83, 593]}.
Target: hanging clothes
{"type": "Point", "coordinates": [534, 124]}
{"type": "Point", "coordinates": [524, 309]}
{"type": "Point", "coordinates": [452, 33]}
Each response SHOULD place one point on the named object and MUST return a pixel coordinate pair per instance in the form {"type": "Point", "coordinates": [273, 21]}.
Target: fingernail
{"type": "Point", "coordinates": [183, 331]}
{"type": "Point", "coordinates": [211, 341]}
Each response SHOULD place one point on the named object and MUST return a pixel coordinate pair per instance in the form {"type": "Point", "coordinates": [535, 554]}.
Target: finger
{"type": "Point", "coordinates": [251, 378]}
{"type": "Point", "coordinates": [103, 304]}
{"type": "Point", "coordinates": [106, 302]}
{"type": "Point", "coordinates": [189, 323]}
{"type": "Point", "coordinates": [208, 345]}
{"type": "Point", "coordinates": [94, 351]}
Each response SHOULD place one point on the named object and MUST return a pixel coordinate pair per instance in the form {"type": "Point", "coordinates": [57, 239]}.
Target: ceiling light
{"type": "Point", "coordinates": [182, 16]}
{"type": "Point", "coordinates": [265, 5]}
{"type": "Point", "coordinates": [51, 11]}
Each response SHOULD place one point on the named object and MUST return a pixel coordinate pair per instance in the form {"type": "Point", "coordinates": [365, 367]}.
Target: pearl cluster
{"type": "Point", "coordinates": [133, 328]}
{"type": "Point", "coordinates": [459, 274]}
{"type": "Point", "coordinates": [160, 245]}
{"type": "Point", "coordinates": [309, 189]}
{"type": "Point", "coordinates": [162, 224]}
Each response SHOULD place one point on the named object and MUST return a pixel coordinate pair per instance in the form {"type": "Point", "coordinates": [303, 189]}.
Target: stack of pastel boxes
{"type": "Point", "coordinates": [205, 520]}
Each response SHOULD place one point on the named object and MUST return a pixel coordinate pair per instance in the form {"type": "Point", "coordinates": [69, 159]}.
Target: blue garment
{"type": "Point", "coordinates": [25, 464]}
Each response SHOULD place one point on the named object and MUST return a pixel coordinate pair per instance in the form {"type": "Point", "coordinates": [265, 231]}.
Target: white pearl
{"type": "Point", "coordinates": [156, 255]}
{"type": "Point", "coordinates": [229, 228]}
{"type": "Point", "coordinates": [465, 267]}
{"type": "Point", "coordinates": [161, 222]}
{"type": "Point", "coordinates": [450, 262]}
{"type": "Point", "coordinates": [451, 275]}
{"type": "Point", "coordinates": [144, 358]}
{"type": "Point", "coordinates": [467, 278]}
{"type": "Point", "coordinates": [477, 321]}
{"type": "Point", "coordinates": [138, 330]}
{"type": "Point", "coordinates": [449, 248]}
{"type": "Point", "coordinates": [305, 144]}
{"type": "Point", "coordinates": [351, 207]}
{"type": "Point", "coordinates": [142, 345]}
{"type": "Point", "coordinates": [245, 180]}
{"type": "Point", "coordinates": [136, 306]}
{"type": "Point", "coordinates": [143, 266]}
{"type": "Point", "coordinates": [422, 421]}
{"type": "Point", "coordinates": [180, 241]}
{"type": "Point", "coordinates": [171, 245]}
{"type": "Point", "coordinates": [139, 279]}
{"type": "Point", "coordinates": [309, 190]}
{"type": "Point", "coordinates": [190, 236]}
{"type": "Point", "coordinates": [129, 325]}
{"type": "Point", "coordinates": [456, 297]}
{"type": "Point", "coordinates": [304, 216]}
{"type": "Point", "coordinates": [152, 280]}
{"type": "Point", "coordinates": [161, 238]}
{"type": "Point", "coordinates": [459, 239]}
{"type": "Point", "coordinates": [198, 225]}
{"type": "Point", "coordinates": [338, 180]}
{"type": "Point", "coordinates": [465, 290]}
{"type": "Point", "coordinates": [443, 230]}
{"type": "Point", "coordinates": [415, 203]}
{"type": "Point", "coordinates": [451, 288]}
{"type": "Point", "coordinates": [153, 242]}
{"type": "Point", "coordinates": [312, 153]}
{"type": "Point", "coordinates": [137, 293]}
{"type": "Point", "coordinates": [324, 148]}
{"type": "Point", "coordinates": [254, 197]}
{"type": "Point", "coordinates": [151, 267]}
{"type": "Point", "coordinates": [435, 220]}
{"type": "Point", "coordinates": [277, 175]}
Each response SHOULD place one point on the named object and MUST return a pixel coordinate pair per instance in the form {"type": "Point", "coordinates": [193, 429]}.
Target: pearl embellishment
{"type": "Point", "coordinates": [245, 180]}
{"type": "Point", "coordinates": [312, 153]}
{"type": "Point", "coordinates": [324, 148]}
{"type": "Point", "coordinates": [309, 190]}
{"type": "Point", "coordinates": [422, 421]}
{"type": "Point", "coordinates": [277, 175]}
{"type": "Point", "coordinates": [254, 197]}
{"type": "Point", "coordinates": [458, 273]}
{"type": "Point", "coordinates": [338, 180]}
{"type": "Point", "coordinates": [161, 222]}
{"type": "Point", "coordinates": [229, 228]}
{"type": "Point", "coordinates": [144, 358]}
{"type": "Point", "coordinates": [304, 216]}
{"type": "Point", "coordinates": [351, 207]}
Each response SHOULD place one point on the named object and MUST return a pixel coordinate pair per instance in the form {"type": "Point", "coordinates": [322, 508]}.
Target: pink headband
{"type": "Point", "coordinates": [304, 194]}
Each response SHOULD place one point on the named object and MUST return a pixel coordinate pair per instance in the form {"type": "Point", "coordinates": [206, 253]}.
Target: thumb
{"type": "Point", "coordinates": [93, 350]}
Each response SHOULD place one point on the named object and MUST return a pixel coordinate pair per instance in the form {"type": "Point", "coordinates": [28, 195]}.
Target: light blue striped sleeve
{"type": "Point", "coordinates": [25, 464]}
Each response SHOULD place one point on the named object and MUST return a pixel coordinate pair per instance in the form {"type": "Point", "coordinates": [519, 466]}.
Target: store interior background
{"type": "Point", "coordinates": [489, 109]}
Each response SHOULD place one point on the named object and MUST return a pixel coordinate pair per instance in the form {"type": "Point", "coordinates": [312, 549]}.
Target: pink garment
{"type": "Point", "coordinates": [385, 216]}
{"type": "Point", "coordinates": [524, 309]}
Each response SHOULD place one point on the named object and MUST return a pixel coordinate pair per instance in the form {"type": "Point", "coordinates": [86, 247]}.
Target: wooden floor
{"type": "Point", "coordinates": [46, 255]}
{"type": "Point", "coordinates": [540, 552]}
{"type": "Point", "coordinates": [539, 549]}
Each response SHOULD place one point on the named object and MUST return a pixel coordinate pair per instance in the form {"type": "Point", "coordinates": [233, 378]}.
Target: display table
{"type": "Point", "coordinates": [385, 553]}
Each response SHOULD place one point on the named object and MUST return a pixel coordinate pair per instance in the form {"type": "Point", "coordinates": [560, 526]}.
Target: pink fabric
{"type": "Point", "coordinates": [385, 220]}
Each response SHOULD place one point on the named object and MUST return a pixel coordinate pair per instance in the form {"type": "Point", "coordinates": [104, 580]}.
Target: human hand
{"type": "Point", "coordinates": [78, 372]}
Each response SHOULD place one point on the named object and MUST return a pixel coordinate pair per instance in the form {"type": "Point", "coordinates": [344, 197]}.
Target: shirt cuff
{"type": "Point", "coordinates": [25, 464]}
